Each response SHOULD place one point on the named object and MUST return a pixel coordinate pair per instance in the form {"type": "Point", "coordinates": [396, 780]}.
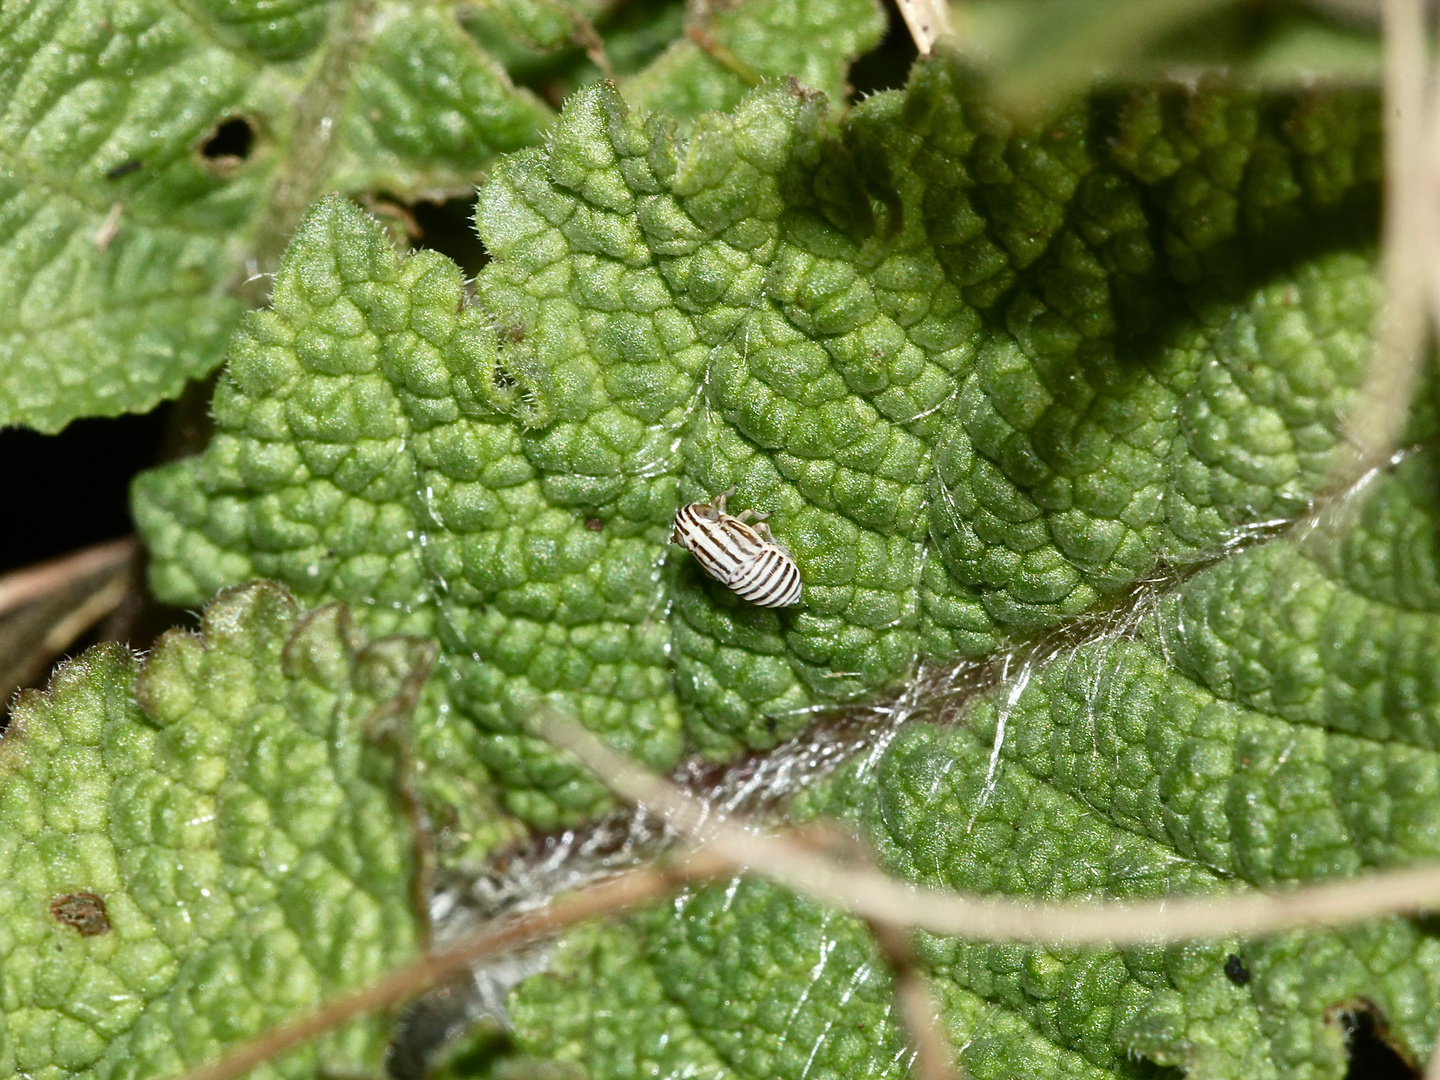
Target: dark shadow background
{"type": "Point", "coordinates": [67, 491]}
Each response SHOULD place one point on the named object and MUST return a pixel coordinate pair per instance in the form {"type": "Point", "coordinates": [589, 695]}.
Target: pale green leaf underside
{"type": "Point", "coordinates": [983, 377]}
{"type": "Point", "coordinates": [224, 831]}
{"type": "Point", "coordinates": [120, 239]}
{"type": "Point", "coordinates": [122, 244]}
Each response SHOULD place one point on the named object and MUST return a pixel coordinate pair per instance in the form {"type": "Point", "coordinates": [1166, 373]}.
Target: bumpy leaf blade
{"type": "Point", "coordinates": [679, 59]}
{"type": "Point", "coordinates": [156, 154]}
{"type": "Point", "coordinates": [92, 123]}
{"type": "Point", "coordinates": [1275, 721]}
{"type": "Point", "coordinates": [983, 376]}
{"type": "Point", "coordinates": [198, 846]}
{"type": "Point", "coordinates": [731, 47]}
{"type": "Point", "coordinates": [149, 151]}
{"type": "Point", "coordinates": [428, 111]}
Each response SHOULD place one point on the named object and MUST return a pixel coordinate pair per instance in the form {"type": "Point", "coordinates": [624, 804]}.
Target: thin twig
{"type": "Point", "coordinates": [34, 582]}
{"type": "Point", "coordinates": [95, 607]}
{"type": "Point", "coordinates": [584, 34]}
{"type": "Point", "coordinates": [884, 902]}
{"type": "Point", "coordinates": [614, 896]}
{"type": "Point", "coordinates": [1429, 155]}
{"type": "Point", "coordinates": [1382, 408]}
{"type": "Point", "coordinates": [934, 1056]}
{"type": "Point", "coordinates": [1432, 1069]}
{"type": "Point", "coordinates": [722, 53]}
{"type": "Point", "coordinates": [878, 898]}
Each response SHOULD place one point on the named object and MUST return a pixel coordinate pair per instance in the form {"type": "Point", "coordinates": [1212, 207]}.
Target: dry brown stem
{"type": "Point", "coordinates": [1432, 1070]}
{"type": "Point", "coordinates": [95, 607]}
{"type": "Point", "coordinates": [878, 898]}
{"type": "Point", "coordinates": [934, 1056]}
{"type": "Point", "coordinates": [927, 20]}
{"type": "Point", "coordinates": [722, 53]}
{"type": "Point", "coordinates": [45, 609]}
{"type": "Point", "coordinates": [890, 906]}
{"type": "Point", "coordinates": [109, 228]}
{"type": "Point", "coordinates": [1409, 243]}
{"type": "Point", "coordinates": [34, 582]}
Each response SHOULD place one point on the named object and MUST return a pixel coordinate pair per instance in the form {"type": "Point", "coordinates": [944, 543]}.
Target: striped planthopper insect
{"type": "Point", "coordinates": [747, 559]}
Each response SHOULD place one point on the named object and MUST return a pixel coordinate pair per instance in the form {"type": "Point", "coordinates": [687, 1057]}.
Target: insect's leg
{"type": "Point", "coordinates": [761, 528]}
{"type": "Point", "coordinates": [755, 515]}
{"type": "Point", "coordinates": [718, 501]}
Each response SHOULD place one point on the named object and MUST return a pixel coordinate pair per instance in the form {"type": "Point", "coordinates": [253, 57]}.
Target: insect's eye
{"type": "Point", "coordinates": [708, 512]}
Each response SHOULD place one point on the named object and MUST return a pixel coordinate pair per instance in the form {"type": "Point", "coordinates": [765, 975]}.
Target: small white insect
{"type": "Point", "coordinates": [748, 560]}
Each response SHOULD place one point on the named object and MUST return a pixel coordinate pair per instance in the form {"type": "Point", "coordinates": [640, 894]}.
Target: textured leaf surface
{"type": "Point", "coordinates": [155, 154]}
{"type": "Point", "coordinates": [683, 59]}
{"type": "Point", "coordinates": [983, 377]}
{"type": "Point", "coordinates": [731, 47]}
{"type": "Point", "coordinates": [123, 224]}
{"type": "Point", "coordinates": [1274, 721]}
{"type": "Point", "coordinates": [197, 846]}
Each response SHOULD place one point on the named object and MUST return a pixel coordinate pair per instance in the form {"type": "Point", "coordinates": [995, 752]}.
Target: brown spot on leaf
{"type": "Point", "coordinates": [84, 911]}
{"type": "Point", "coordinates": [594, 524]}
{"type": "Point", "coordinates": [125, 168]}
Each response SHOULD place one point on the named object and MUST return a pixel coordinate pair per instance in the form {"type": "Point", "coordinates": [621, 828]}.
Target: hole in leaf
{"type": "Point", "coordinates": [1236, 971]}
{"type": "Point", "coordinates": [1372, 1049]}
{"type": "Point", "coordinates": [232, 139]}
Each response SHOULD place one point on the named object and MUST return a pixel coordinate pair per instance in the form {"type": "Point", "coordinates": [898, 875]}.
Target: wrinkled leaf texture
{"type": "Point", "coordinates": [983, 378]}
{"type": "Point", "coordinates": [987, 377]}
{"type": "Point", "coordinates": [199, 845]}
{"type": "Point", "coordinates": [154, 156]}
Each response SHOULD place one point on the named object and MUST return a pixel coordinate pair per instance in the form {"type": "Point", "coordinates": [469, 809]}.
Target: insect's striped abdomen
{"type": "Point", "coordinates": [771, 579]}
{"type": "Point", "coordinates": [736, 555]}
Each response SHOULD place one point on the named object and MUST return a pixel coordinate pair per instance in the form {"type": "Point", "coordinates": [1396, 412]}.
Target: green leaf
{"type": "Point", "coordinates": [983, 376]}
{"type": "Point", "coordinates": [122, 239]}
{"type": "Point", "coordinates": [200, 845]}
{"type": "Point", "coordinates": [1276, 720]}
{"type": "Point", "coordinates": [427, 110]}
{"type": "Point", "coordinates": [1045, 50]}
{"type": "Point", "coordinates": [675, 58]}
{"type": "Point", "coordinates": [155, 156]}
{"type": "Point", "coordinates": [732, 47]}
